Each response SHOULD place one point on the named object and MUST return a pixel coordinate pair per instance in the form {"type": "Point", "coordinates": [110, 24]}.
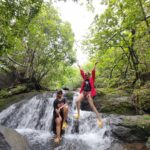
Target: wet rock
{"type": "Point", "coordinates": [128, 146]}
{"type": "Point", "coordinates": [123, 101]}
{"type": "Point", "coordinates": [11, 140]}
{"type": "Point", "coordinates": [131, 128]}
{"type": "Point", "coordinates": [69, 96]}
{"type": "Point", "coordinates": [3, 143]}
{"type": "Point", "coordinates": [148, 143]}
{"type": "Point", "coordinates": [7, 101]}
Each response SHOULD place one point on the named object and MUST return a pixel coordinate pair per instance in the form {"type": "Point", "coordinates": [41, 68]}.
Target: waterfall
{"type": "Point", "coordinates": [32, 118]}
{"type": "Point", "coordinates": [36, 113]}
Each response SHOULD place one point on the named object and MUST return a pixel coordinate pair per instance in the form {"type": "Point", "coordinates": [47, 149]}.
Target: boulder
{"type": "Point", "coordinates": [131, 128]}
{"type": "Point", "coordinates": [112, 101]}
{"type": "Point", "coordinates": [12, 140]}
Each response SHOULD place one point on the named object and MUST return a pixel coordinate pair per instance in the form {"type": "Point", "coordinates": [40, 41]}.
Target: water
{"type": "Point", "coordinates": [33, 119]}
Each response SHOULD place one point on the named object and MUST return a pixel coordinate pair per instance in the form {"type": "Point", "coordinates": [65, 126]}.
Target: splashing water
{"type": "Point", "coordinates": [33, 119]}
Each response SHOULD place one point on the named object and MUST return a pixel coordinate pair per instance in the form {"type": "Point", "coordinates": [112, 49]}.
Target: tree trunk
{"type": "Point", "coordinates": [144, 15]}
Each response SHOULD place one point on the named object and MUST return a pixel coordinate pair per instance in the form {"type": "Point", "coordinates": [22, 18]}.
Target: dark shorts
{"type": "Point", "coordinates": [86, 93]}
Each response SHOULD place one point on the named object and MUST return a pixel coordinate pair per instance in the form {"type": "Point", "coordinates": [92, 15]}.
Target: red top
{"type": "Point", "coordinates": [92, 80]}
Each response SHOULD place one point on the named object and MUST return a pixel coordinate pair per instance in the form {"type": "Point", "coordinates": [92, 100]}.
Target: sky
{"type": "Point", "coordinates": [80, 19]}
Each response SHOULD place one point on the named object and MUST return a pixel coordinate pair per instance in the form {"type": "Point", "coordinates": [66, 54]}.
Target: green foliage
{"type": "Point", "coordinates": [15, 17]}
{"type": "Point", "coordinates": [9, 92]}
{"type": "Point", "coordinates": [146, 117]}
{"type": "Point", "coordinates": [40, 44]}
{"type": "Point", "coordinates": [4, 93]}
{"type": "Point", "coordinates": [119, 39]}
{"type": "Point", "coordinates": [141, 98]}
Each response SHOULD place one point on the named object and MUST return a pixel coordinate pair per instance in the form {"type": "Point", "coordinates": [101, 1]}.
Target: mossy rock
{"type": "Point", "coordinates": [112, 92]}
{"type": "Point", "coordinates": [140, 123]}
{"type": "Point", "coordinates": [132, 128]}
{"type": "Point", "coordinates": [120, 101]}
{"type": "Point", "coordinates": [143, 98]}
{"type": "Point", "coordinates": [18, 89]}
{"type": "Point", "coordinates": [69, 95]}
{"type": "Point", "coordinates": [4, 93]}
{"type": "Point", "coordinates": [12, 91]}
{"type": "Point", "coordinates": [7, 101]}
{"type": "Point", "coordinates": [114, 100]}
{"type": "Point", "coordinates": [122, 108]}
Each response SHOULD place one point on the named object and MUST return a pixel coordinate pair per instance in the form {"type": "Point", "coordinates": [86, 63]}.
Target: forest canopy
{"type": "Point", "coordinates": [36, 45]}
{"type": "Point", "coordinates": [120, 40]}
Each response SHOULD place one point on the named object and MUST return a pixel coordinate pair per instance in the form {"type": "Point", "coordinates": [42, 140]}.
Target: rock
{"type": "Point", "coordinates": [65, 88]}
{"type": "Point", "coordinates": [118, 105]}
{"type": "Point", "coordinates": [141, 99]}
{"type": "Point", "coordinates": [21, 88]}
{"type": "Point", "coordinates": [3, 143]}
{"type": "Point", "coordinates": [18, 89]}
{"type": "Point", "coordinates": [128, 146]}
{"type": "Point", "coordinates": [122, 101]}
{"type": "Point", "coordinates": [9, 79]}
{"type": "Point", "coordinates": [69, 95]}
{"type": "Point", "coordinates": [11, 140]}
{"type": "Point", "coordinates": [131, 128]}
{"type": "Point", "coordinates": [7, 101]}
{"type": "Point", "coordinates": [148, 143]}
{"type": "Point", "coordinates": [114, 101]}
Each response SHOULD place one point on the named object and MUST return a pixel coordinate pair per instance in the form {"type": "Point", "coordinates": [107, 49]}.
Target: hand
{"type": "Point", "coordinates": [62, 106]}
{"type": "Point", "coordinates": [57, 111]}
{"type": "Point", "coordinates": [96, 63]}
{"type": "Point", "coordinates": [78, 65]}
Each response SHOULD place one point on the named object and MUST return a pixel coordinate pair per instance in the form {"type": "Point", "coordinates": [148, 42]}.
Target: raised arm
{"type": "Point", "coordinates": [93, 71]}
{"type": "Point", "coordinates": [81, 71]}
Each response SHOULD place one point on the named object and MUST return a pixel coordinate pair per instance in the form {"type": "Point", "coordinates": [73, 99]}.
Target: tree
{"type": "Point", "coordinates": [48, 41]}
{"type": "Point", "coordinates": [15, 17]}
{"type": "Point", "coordinates": [119, 30]}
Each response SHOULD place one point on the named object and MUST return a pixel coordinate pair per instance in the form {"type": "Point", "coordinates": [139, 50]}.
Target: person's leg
{"type": "Point", "coordinates": [65, 114]}
{"type": "Point", "coordinates": [90, 101]}
{"type": "Point", "coordinates": [78, 103]}
{"type": "Point", "coordinates": [58, 121]}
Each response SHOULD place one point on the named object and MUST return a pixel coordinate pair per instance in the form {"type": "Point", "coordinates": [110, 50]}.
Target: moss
{"type": "Point", "coordinates": [19, 89]}
{"type": "Point", "coordinates": [2, 104]}
{"type": "Point", "coordinates": [113, 92]}
{"type": "Point", "coordinates": [4, 93]}
{"type": "Point", "coordinates": [15, 90]}
{"type": "Point", "coordinates": [140, 122]}
{"type": "Point", "coordinates": [122, 108]}
{"type": "Point", "coordinates": [143, 98]}
{"type": "Point", "coordinates": [146, 117]}
{"type": "Point", "coordinates": [5, 102]}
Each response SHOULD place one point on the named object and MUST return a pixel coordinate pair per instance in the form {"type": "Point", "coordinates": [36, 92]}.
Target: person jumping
{"type": "Point", "coordinates": [88, 91]}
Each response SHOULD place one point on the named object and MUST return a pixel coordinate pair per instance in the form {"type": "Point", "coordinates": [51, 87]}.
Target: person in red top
{"type": "Point", "coordinates": [88, 91]}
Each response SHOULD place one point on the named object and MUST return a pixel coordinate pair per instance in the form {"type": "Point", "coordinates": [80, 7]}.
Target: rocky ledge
{"type": "Point", "coordinates": [11, 140]}
{"type": "Point", "coordinates": [131, 129]}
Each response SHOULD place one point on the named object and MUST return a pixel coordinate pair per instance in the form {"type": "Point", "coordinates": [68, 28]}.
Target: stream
{"type": "Point", "coordinates": [32, 118]}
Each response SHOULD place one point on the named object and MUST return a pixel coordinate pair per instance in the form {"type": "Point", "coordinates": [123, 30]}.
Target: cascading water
{"type": "Point", "coordinates": [33, 119]}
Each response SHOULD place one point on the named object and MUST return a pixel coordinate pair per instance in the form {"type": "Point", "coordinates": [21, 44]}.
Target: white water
{"type": "Point", "coordinates": [33, 120]}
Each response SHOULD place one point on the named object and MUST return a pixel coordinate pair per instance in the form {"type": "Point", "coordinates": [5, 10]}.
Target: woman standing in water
{"type": "Point", "coordinates": [88, 91]}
